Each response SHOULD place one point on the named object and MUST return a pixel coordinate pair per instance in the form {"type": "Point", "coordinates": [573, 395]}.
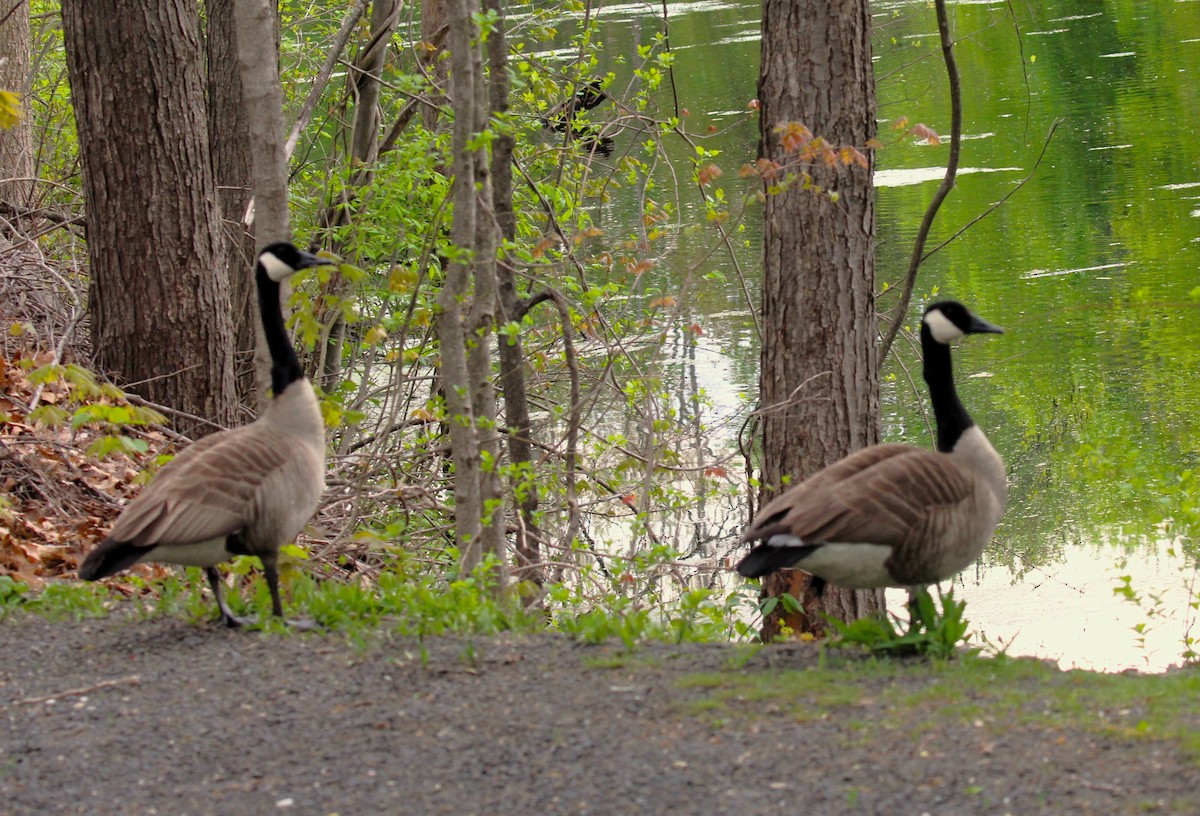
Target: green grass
{"type": "Point", "coordinates": [1000, 694]}
{"type": "Point", "coordinates": [66, 600]}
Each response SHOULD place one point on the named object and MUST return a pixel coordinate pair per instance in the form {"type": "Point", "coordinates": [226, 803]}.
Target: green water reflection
{"type": "Point", "coordinates": [1092, 266]}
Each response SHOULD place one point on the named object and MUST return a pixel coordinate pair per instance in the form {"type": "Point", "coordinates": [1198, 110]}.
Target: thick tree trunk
{"type": "Point", "coordinates": [482, 329]}
{"type": "Point", "coordinates": [160, 299]}
{"type": "Point", "coordinates": [16, 142]}
{"type": "Point", "coordinates": [229, 142]}
{"type": "Point", "coordinates": [819, 384]}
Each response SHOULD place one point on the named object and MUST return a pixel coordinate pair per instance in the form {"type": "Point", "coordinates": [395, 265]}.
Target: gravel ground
{"type": "Point", "coordinates": [165, 717]}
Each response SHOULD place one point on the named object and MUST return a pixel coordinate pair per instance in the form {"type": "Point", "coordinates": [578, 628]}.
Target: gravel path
{"type": "Point", "coordinates": [165, 717]}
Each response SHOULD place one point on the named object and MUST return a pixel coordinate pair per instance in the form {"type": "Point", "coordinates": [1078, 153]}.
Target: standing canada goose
{"type": "Point", "coordinates": [243, 491]}
{"type": "Point", "coordinates": [894, 515]}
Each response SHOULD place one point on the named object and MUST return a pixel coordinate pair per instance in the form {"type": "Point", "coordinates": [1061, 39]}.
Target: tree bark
{"type": "Point", "coordinates": [483, 325]}
{"type": "Point", "coordinates": [16, 142]}
{"type": "Point", "coordinates": [434, 16]}
{"type": "Point", "coordinates": [818, 380]}
{"type": "Point", "coordinates": [229, 142]}
{"type": "Point", "coordinates": [255, 24]}
{"type": "Point", "coordinates": [365, 80]}
{"type": "Point", "coordinates": [452, 340]}
{"type": "Point", "coordinates": [510, 305]}
{"type": "Point", "coordinates": [160, 299]}
{"type": "Point", "coordinates": [464, 336]}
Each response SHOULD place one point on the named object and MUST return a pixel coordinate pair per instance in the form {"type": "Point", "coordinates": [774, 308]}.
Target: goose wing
{"type": "Point", "coordinates": [209, 491]}
{"type": "Point", "coordinates": [776, 516]}
{"type": "Point", "coordinates": [883, 498]}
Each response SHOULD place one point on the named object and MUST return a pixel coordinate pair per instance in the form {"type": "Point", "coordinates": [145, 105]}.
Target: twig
{"type": "Point", "coordinates": [131, 680]}
{"type": "Point", "coordinates": [58, 353]}
{"type": "Point", "coordinates": [322, 79]}
{"type": "Point", "coordinates": [943, 190]}
{"type": "Point", "coordinates": [164, 409]}
{"type": "Point", "coordinates": [58, 217]}
{"type": "Point", "coordinates": [575, 416]}
{"type": "Point", "coordinates": [1006, 196]}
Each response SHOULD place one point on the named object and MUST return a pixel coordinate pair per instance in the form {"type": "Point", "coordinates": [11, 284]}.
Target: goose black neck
{"type": "Point", "coordinates": [948, 411]}
{"type": "Point", "coordinates": [285, 365]}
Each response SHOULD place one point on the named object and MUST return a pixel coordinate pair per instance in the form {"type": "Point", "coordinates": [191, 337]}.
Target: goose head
{"type": "Point", "coordinates": [948, 320]}
{"type": "Point", "coordinates": [282, 260]}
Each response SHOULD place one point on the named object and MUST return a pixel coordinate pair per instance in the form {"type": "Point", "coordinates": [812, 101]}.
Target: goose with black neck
{"type": "Point", "coordinates": [243, 491]}
{"type": "Point", "coordinates": [894, 515]}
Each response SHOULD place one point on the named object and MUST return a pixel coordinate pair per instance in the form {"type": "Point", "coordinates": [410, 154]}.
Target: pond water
{"type": "Point", "coordinates": [1091, 266]}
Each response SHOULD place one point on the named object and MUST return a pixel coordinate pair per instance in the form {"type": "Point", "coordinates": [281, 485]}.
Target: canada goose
{"type": "Point", "coordinates": [587, 136]}
{"type": "Point", "coordinates": [894, 515]}
{"type": "Point", "coordinates": [243, 491]}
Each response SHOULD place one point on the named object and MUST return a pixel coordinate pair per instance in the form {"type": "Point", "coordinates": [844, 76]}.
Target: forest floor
{"type": "Point", "coordinates": [137, 715]}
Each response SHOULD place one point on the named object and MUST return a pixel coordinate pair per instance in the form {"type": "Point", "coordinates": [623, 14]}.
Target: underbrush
{"type": "Point", "coordinates": [399, 602]}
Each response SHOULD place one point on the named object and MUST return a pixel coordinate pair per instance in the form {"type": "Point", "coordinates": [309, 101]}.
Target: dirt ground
{"type": "Point", "coordinates": [166, 717]}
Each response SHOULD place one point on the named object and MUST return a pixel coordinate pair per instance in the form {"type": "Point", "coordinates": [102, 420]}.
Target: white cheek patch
{"type": "Point", "coordinates": [277, 270]}
{"type": "Point", "coordinates": [942, 329]}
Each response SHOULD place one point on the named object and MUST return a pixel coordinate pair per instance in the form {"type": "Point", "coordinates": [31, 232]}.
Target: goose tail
{"type": "Point", "coordinates": [767, 558]}
{"type": "Point", "coordinates": [108, 558]}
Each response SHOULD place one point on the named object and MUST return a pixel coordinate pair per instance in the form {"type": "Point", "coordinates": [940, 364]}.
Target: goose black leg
{"type": "Point", "coordinates": [272, 574]}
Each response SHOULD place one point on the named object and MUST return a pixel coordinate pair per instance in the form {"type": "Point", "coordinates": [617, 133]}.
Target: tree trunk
{"type": "Point", "coordinates": [509, 302]}
{"type": "Point", "coordinates": [434, 16]}
{"type": "Point", "coordinates": [365, 82]}
{"type": "Point", "coordinates": [483, 326]}
{"type": "Point", "coordinates": [464, 336]}
{"type": "Point", "coordinates": [229, 142]}
{"type": "Point", "coordinates": [160, 299]}
{"type": "Point", "coordinates": [255, 23]}
{"type": "Point", "coordinates": [819, 383]}
{"type": "Point", "coordinates": [16, 142]}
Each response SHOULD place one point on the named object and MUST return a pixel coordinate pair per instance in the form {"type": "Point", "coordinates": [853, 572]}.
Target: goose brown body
{"type": "Point", "coordinates": [242, 491]}
{"type": "Point", "coordinates": [892, 514]}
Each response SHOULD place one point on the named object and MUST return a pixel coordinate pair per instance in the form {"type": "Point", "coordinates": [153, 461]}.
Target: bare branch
{"type": "Point", "coordinates": [943, 190]}
{"type": "Point", "coordinates": [322, 79]}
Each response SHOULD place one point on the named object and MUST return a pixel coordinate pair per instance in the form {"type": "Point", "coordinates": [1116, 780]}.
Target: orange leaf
{"type": "Point", "coordinates": [793, 136]}
{"type": "Point", "coordinates": [926, 133]}
{"type": "Point", "coordinates": [667, 302]}
{"type": "Point", "coordinates": [852, 156]}
{"type": "Point", "coordinates": [707, 173]}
